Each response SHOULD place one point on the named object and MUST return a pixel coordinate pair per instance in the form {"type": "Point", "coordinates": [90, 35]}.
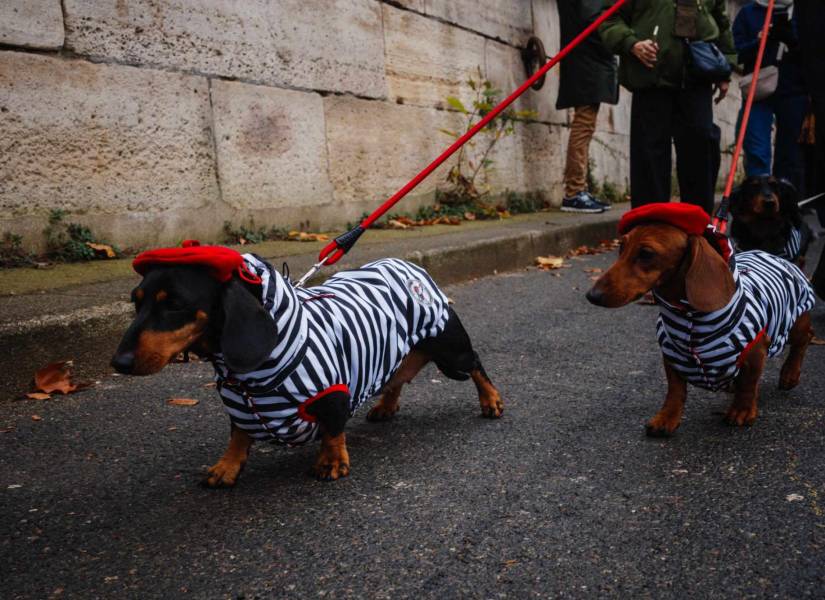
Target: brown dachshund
{"type": "Point", "coordinates": [700, 298]}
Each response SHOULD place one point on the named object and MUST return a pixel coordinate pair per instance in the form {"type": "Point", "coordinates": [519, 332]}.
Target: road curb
{"type": "Point", "coordinates": [89, 337]}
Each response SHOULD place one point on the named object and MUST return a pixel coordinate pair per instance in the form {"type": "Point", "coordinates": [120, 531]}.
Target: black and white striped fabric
{"type": "Point", "coordinates": [793, 247]}
{"type": "Point", "coordinates": [353, 330]}
{"type": "Point", "coordinates": [704, 348]}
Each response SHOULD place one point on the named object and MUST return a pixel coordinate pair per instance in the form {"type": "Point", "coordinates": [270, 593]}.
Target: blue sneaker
{"type": "Point", "coordinates": [581, 203]}
{"type": "Point", "coordinates": [606, 205]}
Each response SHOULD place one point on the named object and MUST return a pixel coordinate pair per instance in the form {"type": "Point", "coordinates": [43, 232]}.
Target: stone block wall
{"type": "Point", "coordinates": [156, 120]}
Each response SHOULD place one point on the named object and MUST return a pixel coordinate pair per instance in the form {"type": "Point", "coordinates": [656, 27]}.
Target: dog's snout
{"type": "Point", "coordinates": [124, 362]}
{"type": "Point", "coordinates": [595, 296]}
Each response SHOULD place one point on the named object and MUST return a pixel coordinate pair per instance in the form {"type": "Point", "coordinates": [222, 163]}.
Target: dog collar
{"type": "Point", "coordinates": [221, 262]}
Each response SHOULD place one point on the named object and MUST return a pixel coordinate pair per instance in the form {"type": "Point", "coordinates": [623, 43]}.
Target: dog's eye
{"type": "Point", "coordinates": [174, 305]}
{"type": "Point", "coordinates": [646, 254]}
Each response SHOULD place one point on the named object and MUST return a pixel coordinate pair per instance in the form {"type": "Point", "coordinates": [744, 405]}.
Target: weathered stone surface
{"type": "Point", "coordinates": [31, 23]}
{"type": "Point", "coordinates": [509, 21]}
{"type": "Point", "coordinates": [271, 146]}
{"type": "Point", "coordinates": [610, 156]}
{"type": "Point", "coordinates": [376, 147]}
{"type": "Point", "coordinates": [336, 47]}
{"type": "Point", "coordinates": [114, 141]}
{"type": "Point", "coordinates": [531, 160]}
{"type": "Point", "coordinates": [506, 70]}
{"type": "Point", "coordinates": [546, 27]}
{"type": "Point", "coordinates": [427, 60]}
{"type": "Point", "coordinates": [615, 118]}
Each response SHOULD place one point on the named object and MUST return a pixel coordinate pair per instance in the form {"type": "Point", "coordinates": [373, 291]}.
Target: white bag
{"type": "Point", "coordinates": [768, 80]}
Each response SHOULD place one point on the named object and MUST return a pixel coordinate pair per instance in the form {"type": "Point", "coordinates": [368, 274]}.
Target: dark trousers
{"type": "Point", "coordinates": [818, 98]}
{"type": "Point", "coordinates": [788, 111]}
{"type": "Point", "coordinates": [684, 117]}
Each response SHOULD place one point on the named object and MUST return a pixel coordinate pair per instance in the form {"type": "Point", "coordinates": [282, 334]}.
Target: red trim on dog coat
{"type": "Point", "coordinates": [688, 217]}
{"type": "Point", "coordinates": [302, 408]}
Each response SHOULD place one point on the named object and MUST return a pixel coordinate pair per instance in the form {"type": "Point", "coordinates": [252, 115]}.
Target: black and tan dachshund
{"type": "Point", "coordinates": [185, 308]}
{"type": "Point", "coordinates": [766, 217]}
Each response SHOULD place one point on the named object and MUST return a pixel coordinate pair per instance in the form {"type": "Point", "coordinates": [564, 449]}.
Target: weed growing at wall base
{"type": "Point", "coordinates": [72, 242]}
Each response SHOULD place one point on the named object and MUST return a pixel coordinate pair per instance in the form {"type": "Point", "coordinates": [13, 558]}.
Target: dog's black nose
{"type": "Point", "coordinates": [595, 296]}
{"type": "Point", "coordinates": [124, 362]}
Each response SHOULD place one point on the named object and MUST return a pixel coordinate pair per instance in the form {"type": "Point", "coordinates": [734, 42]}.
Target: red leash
{"type": "Point", "coordinates": [720, 219]}
{"type": "Point", "coordinates": [333, 251]}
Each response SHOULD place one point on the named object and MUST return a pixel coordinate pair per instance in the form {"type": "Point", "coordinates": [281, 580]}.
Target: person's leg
{"type": "Point", "coordinates": [818, 98]}
{"type": "Point", "coordinates": [787, 159]}
{"type": "Point", "coordinates": [578, 146]}
{"type": "Point", "coordinates": [757, 143]}
{"type": "Point", "coordinates": [651, 116]}
{"type": "Point", "coordinates": [694, 138]}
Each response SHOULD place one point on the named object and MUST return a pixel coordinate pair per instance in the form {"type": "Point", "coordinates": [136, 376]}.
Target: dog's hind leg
{"type": "Point", "coordinates": [224, 473]}
{"type": "Point", "coordinates": [454, 356]}
{"type": "Point", "coordinates": [800, 336]}
{"type": "Point", "coordinates": [387, 404]}
{"type": "Point", "coordinates": [744, 408]}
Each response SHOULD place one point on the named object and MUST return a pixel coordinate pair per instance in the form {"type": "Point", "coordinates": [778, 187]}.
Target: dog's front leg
{"type": "Point", "coordinates": [224, 473]}
{"type": "Point", "coordinates": [743, 410]}
{"type": "Point", "coordinates": [331, 412]}
{"type": "Point", "coordinates": [669, 417]}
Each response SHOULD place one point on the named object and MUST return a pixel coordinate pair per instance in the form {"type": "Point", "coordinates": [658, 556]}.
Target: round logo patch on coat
{"type": "Point", "coordinates": [420, 292]}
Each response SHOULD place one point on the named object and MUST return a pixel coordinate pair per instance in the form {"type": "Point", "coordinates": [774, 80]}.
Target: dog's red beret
{"type": "Point", "coordinates": [688, 217]}
{"type": "Point", "coordinates": [220, 261]}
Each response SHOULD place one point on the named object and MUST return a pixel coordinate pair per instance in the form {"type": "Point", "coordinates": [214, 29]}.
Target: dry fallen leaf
{"type": "Point", "coordinates": [211, 384]}
{"type": "Point", "coordinates": [57, 377]}
{"type": "Point", "coordinates": [593, 270]}
{"type": "Point", "coordinates": [38, 396]}
{"type": "Point", "coordinates": [303, 236]}
{"type": "Point", "coordinates": [549, 262]}
{"type": "Point", "coordinates": [182, 401]}
{"type": "Point", "coordinates": [818, 341]}
{"type": "Point", "coordinates": [594, 278]}
{"type": "Point", "coordinates": [102, 250]}
{"type": "Point", "coordinates": [470, 216]}
{"type": "Point", "coordinates": [396, 224]}
{"type": "Point", "coordinates": [37, 418]}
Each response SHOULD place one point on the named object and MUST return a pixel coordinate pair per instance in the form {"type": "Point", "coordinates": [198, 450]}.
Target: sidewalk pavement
{"type": "Point", "coordinates": [78, 312]}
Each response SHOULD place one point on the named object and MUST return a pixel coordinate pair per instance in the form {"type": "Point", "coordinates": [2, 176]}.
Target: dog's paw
{"type": "Point", "coordinates": [330, 468]}
{"type": "Point", "coordinates": [738, 416]}
{"type": "Point", "coordinates": [382, 412]}
{"type": "Point", "coordinates": [492, 406]}
{"type": "Point", "coordinates": [224, 473]}
{"type": "Point", "coordinates": [662, 426]}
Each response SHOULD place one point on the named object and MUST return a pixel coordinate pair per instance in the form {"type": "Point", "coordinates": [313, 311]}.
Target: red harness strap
{"type": "Point", "coordinates": [302, 408]}
{"type": "Point", "coordinates": [741, 360]}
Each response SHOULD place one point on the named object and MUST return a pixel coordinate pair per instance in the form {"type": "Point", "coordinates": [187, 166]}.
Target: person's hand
{"type": "Point", "coordinates": [646, 51]}
{"type": "Point", "coordinates": [722, 89]}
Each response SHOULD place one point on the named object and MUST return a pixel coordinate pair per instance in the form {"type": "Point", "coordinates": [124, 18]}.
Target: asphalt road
{"type": "Point", "coordinates": [564, 496]}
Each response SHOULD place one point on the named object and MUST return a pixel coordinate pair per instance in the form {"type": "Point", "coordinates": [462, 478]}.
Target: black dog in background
{"type": "Point", "coordinates": [766, 217]}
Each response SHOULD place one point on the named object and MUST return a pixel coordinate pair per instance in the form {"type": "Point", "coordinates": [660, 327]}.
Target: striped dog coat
{"type": "Point", "coordinates": [349, 334]}
{"type": "Point", "coordinates": [705, 348]}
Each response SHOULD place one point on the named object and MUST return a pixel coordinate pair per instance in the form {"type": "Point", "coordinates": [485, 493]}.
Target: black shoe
{"type": "Point", "coordinates": [606, 205]}
{"type": "Point", "coordinates": [581, 203]}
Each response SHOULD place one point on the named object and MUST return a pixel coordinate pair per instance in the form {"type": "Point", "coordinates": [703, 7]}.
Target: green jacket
{"type": "Point", "coordinates": [635, 22]}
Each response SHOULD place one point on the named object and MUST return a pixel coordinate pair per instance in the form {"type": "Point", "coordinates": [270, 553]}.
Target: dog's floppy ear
{"type": "Point", "coordinates": [249, 333]}
{"type": "Point", "coordinates": [709, 284]}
